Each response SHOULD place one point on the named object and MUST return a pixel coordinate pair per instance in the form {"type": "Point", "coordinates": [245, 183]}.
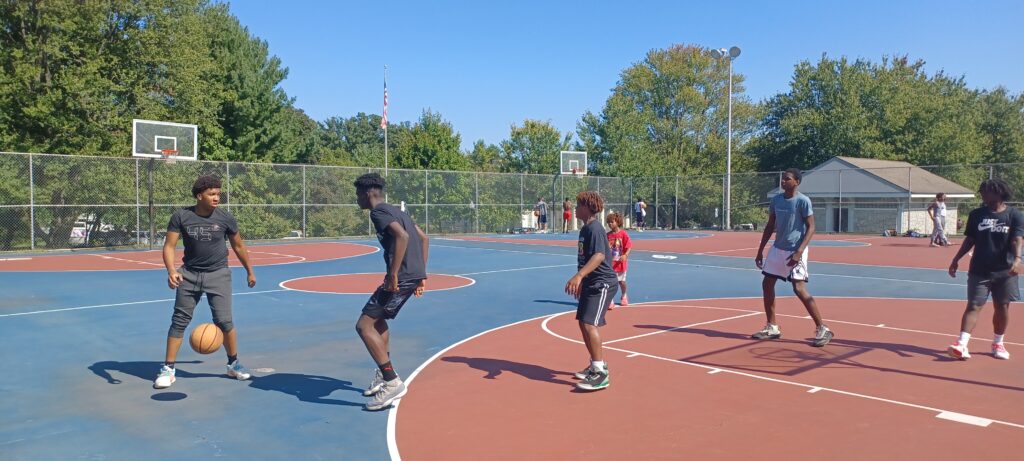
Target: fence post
{"type": "Point", "coordinates": [656, 183]}
{"type": "Point", "coordinates": [426, 198]}
{"type": "Point", "coordinates": [839, 229]}
{"type": "Point", "coordinates": [227, 184]}
{"type": "Point", "coordinates": [990, 172]}
{"type": "Point", "coordinates": [138, 205]}
{"type": "Point", "coordinates": [476, 201]}
{"type": "Point", "coordinates": [304, 201]}
{"type": "Point", "coordinates": [675, 206]}
{"type": "Point", "coordinates": [522, 205]}
{"type": "Point", "coordinates": [910, 196]}
{"type": "Point", "coordinates": [32, 202]}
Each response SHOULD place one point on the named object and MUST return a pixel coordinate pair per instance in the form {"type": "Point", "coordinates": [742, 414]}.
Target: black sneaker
{"type": "Point", "coordinates": [769, 331]}
{"type": "Point", "coordinates": [582, 374]}
{"type": "Point", "coordinates": [596, 380]}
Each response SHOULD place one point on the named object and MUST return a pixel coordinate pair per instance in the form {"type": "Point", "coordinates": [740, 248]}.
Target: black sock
{"type": "Point", "coordinates": [388, 371]}
{"type": "Point", "coordinates": [232, 358]}
{"type": "Point", "coordinates": [169, 365]}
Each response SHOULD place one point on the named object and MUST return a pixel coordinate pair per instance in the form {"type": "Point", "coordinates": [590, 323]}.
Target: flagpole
{"type": "Point", "coordinates": [385, 120]}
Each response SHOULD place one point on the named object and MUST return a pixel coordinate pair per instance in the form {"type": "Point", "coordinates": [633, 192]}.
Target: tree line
{"type": "Point", "coordinates": [76, 73]}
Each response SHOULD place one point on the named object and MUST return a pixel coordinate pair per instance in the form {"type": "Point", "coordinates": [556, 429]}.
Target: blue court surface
{"type": "Point", "coordinates": [80, 349]}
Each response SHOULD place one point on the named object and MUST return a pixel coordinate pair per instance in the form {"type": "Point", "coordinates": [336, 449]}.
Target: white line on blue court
{"type": "Point", "coordinates": [133, 303]}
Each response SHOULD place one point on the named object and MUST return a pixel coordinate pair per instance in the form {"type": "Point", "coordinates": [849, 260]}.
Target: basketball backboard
{"type": "Point", "coordinates": [574, 163]}
{"type": "Point", "coordinates": [151, 138]}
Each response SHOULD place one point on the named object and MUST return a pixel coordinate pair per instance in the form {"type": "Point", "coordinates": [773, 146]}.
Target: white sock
{"type": "Point", "coordinates": [998, 339]}
{"type": "Point", "coordinates": [597, 364]}
{"type": "Point", "coordinates": [964, 337]}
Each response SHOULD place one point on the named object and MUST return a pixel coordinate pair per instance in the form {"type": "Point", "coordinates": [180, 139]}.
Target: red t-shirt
{"type": "Point", "coordinates": [619, 243]}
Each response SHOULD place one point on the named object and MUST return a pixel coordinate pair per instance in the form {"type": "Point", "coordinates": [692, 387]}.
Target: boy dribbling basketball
{"type": "Point", "coordinates": [594, 287]}
{"type": "Point", "coordinates": [205, 269]}
{"type": "Point", "coordinates": [405, 256]}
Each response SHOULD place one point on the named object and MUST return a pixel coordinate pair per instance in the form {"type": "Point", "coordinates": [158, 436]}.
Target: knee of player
{"type": "Point", "coordinates": [225, 325]}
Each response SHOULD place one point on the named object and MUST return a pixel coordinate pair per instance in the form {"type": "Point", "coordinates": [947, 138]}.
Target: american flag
{"type": "Point", "coordinates": [384, 118]}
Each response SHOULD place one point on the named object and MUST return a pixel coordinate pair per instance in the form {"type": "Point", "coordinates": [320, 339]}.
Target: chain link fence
{"type": "Point", "coordinates": [59, 202]}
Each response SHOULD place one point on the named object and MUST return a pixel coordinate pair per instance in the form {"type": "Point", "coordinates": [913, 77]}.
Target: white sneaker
{"type": "Point", "coordinates": [999, 351]}
{"type": "Point", "coordinates": [375, 384]}
{"type": "Point", "coordinates": [238, 371]}
{"type": "Point", "coordinates": [770, 331]}
{"type": "Point", "coordinates": [959, 352]}
{"type": "Point", "coordinates": [164, 378]}
{"type": "Point", "coordinates": [388, 393]}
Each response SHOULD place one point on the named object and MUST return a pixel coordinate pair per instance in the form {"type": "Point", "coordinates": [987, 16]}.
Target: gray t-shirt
{"type": "Point", "coordinates": [790, 215]}
{"type": "Point", "coordinates": [542, 208]}
{"type": "Point", "coordinates": [204, 237]}
{"type": "Point", "coordinates": [413, 267]}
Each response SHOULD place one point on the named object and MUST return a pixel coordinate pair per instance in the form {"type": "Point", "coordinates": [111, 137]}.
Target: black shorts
{"type": "Point", "coordinates": [594, 302]}
{"type": "Point", "coordinates": [543, 219]}
{"type": "Point", "coordinates": [640, 218]}
{"type": "Point", "coordinates": [385, 304]}
{"type": "Point", "coordinates": [1002, 285]}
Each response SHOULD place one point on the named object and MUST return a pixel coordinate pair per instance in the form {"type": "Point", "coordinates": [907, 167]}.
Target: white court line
{"type": "Point", "coordinates": [393, 411]}
{"type": "Point", "coordinates": [711, 266]}
{"type": "Point", "coordinates": [813, 390]}
{"type": "Point", "coordinates": [518, 269]}
{"type": "Point", "coordinates": [714, 371]}
{"type": "Point", "coordinates": [805, 317]}
{"type": "Point", "coordinates": [15, 259]}
{"type": "Point", "coordinates": [286, 288]}
{"type": "Point", "coordinates": [282, 255]}
{"type": "Point", "coordinates": [125, 260]}
{"type": "Point", "coordinates": [97, 306]}
{"type": "Point", "coordinates": [966, 419]}
{"type": "Point", "coordinates": [938, 411]}
{"type": "Point", "coordinates": [682, 327]}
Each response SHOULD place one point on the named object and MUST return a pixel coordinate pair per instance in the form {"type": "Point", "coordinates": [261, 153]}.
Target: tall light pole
{"type": "Point", "coordinates": [730, 54]}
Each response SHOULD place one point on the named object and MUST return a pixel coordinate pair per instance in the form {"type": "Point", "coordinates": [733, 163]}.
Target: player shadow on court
{"type": "Point", "coordinates": [145, 371]}
{"type": "Point", "coordinates": [552, 301]}
{"type": "Point", "coordinates": [495, 367]}
{"type": "Point", "coordinates": [795, 362]}
{"type": "Point", "coordinates": [307, 388]}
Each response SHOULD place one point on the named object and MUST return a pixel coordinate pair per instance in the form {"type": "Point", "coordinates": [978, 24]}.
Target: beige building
{"type": "Point", "coordinates": [870, 196]}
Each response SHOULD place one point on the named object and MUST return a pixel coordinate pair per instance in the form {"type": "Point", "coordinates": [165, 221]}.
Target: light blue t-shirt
{"type": "Point", "coordinates": [790, 214]}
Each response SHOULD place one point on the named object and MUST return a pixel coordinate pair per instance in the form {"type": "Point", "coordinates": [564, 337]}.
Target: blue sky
{"type": "Point", "coordinates": [486, 65]}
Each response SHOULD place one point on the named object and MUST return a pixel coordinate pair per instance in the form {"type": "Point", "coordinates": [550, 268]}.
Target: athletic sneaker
{"type": "Point", "coordinates": [388, 393]}
{"type": "Point", "coordinates": [164, 378]}
{"type": "Point", "coordinates": [595, 380]}
{"type": "Point", "coordinates": [378, 381]}
{"type": "Point", "coordinates": [582, 374]}
{"type": "Point", "coordinates": [238, 371]}
{"type": "Point", "coordinates": [625, 301]}
{"type": "Point", "coordinates": [822, 335]}
{"type": "Point", "coordinates": [611, 306]}
{"type": "Point", "coordinates": [999, 351]}
{"type": "Point", "coordinates": [770, 331]}
{"type": "Point", "coordinates": [958, 351]}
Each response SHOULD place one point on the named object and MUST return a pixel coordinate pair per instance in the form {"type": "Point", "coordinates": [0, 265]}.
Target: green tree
{"type": "Point", "coordinates": [890, 110]}
{"type": "Point", "coordinates": [667, 115]}
{"type": "Point", "coordinates": [486, 157]}
{"type": "Point", "coordinates": [431, 143]}
{"type": "Point", "coordinates": [1002, 126]}
{"type": "Point", "coordinates": [534, 147]}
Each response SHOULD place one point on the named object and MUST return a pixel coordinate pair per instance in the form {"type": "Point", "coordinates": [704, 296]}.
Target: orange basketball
{"type": "Point", "coordinates": [206, 338]}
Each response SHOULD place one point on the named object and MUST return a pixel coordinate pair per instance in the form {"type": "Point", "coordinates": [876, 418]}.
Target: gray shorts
{"type": "Point", "coordinates": [1002, 285]}
{"type": "Point", "coordinates": [217, 286]}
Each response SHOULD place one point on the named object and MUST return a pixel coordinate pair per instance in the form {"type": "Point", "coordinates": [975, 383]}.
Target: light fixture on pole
{"type": "Point", "coordinates": [730, 54]}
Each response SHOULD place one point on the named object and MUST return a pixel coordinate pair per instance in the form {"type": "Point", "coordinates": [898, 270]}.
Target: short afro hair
{"type": "Point", "coordinates": [592, 200]}
{"type": "Point", "coordinates": [998, 187]}
{"type": "Point", "coordinates": [797, 174]}
{"type": "Point", "coordinates": [205, 182]}
{"type": "Point", "coordinates": [614, 217]}
{"type": "Point", "coordinates": [369, 181]}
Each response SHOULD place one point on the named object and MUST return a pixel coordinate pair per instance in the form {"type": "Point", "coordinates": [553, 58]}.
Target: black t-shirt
{"type": "Point", "coordinates": [204, 237]}
{"type": "Point", "coordinates": [993, 235]}
{"type": "Point", "coordinates": [412, 266]}
{"type": "Point", "coordinates": [593, 239]}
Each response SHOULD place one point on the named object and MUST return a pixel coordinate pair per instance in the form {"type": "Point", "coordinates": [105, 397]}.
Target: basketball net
{"type": "Point", "coordinates": [170, 155]}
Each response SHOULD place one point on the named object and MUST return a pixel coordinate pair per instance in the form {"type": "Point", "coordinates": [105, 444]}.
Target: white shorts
{"type": "Point", "coordinates": [776, 265]}
{"type": "Point", "coordinates": [621, 276]}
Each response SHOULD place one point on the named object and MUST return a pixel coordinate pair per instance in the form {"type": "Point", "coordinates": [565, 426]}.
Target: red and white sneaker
{"type": "Point", "coordinates": [959, 352]}
{"type": "Point", "coordinates": [625, 301]}
{"type": "Point", "coordinates": [999, 351]}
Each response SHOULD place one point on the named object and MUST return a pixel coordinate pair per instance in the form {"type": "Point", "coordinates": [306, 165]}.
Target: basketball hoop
{"type": "Point", "coordinates": [574, 172]}
{"type": "Point", "coordinates": [170, 155]}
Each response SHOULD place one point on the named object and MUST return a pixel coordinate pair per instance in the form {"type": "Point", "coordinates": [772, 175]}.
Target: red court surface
{"type": "Point", "coordinates": [259, 255]}
{"type": "Point", "coordinates": [867, 250]}
{"type": "Point", "coordinates": [687, 383]}
{"type": "Point", "coordinates": [367, 283]}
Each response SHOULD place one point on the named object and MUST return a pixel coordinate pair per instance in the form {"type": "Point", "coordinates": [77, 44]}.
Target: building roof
{"type": "Point", "coordinates": [919, 181]}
